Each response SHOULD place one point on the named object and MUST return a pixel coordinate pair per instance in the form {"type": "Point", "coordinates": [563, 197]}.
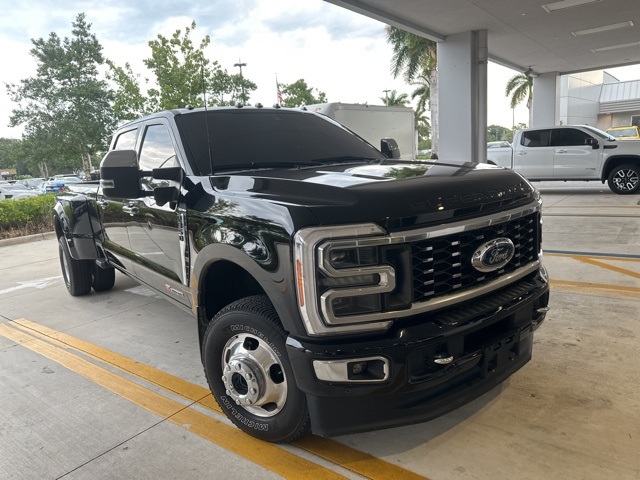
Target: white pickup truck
{"type": "Point", "coordinates": [572, 152]}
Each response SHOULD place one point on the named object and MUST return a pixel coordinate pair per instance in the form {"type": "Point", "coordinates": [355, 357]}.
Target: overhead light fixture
{"type": "Point", "coordinates": [615, 47]}
{"type": "Point", "coordinates": [552, 7]}
{"type": "Point", "coordinates": [603, 28]}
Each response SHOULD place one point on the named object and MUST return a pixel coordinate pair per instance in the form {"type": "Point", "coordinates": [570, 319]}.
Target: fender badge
{"type": "Point", "coordinates": [493, 255]}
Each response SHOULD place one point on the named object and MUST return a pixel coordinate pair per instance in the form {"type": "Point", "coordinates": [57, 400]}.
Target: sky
{"type": "Point", "coordinates": [339, 52]}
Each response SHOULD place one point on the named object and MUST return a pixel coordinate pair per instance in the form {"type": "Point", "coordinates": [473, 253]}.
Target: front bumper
{"type": "Point", "coordinates": [489, 339]}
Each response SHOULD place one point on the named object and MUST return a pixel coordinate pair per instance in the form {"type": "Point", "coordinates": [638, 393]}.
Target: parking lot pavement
{"type": "Point", "coordinates": [111, 386]}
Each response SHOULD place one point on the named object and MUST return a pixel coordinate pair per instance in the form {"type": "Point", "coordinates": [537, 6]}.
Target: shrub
{"type": "Point", "coordinates": [26, 216]}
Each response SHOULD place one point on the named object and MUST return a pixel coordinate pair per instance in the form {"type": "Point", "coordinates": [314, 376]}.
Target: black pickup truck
{"type": "Point", "coordinates": [335, 287]}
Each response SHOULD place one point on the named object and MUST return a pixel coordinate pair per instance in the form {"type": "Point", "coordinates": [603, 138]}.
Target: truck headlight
{"type": "Point", "coordinates": [342, 277]}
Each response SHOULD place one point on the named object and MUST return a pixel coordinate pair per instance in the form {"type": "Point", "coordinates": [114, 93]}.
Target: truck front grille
{"type": "Point", "coordinates": [442, 265]}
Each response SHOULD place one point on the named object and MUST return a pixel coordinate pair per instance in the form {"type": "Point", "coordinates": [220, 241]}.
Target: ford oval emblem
{"type": "Point", "coordinates": [493, 255]}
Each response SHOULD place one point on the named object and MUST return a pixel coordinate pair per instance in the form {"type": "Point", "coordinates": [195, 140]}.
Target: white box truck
{"type": "Point", "coordinates": [374, 122]}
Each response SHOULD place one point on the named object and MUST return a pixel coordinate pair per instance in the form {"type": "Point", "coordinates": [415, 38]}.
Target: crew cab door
{"type": "Point", "coordinates": [155, 231]}
{"type": "Point", "coordinates": [533, 155]}
{"type": "Point", "coordinates": [574, 154]}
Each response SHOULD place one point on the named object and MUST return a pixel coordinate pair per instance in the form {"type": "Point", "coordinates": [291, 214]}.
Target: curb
{"type": "Point", "coordinates": [27, 239]}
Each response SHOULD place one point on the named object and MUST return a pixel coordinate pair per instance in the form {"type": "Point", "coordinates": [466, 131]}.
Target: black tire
{"type": "Point", "coordinates": [102, 279]}
{"type": "Point", "coordinates": [625, 179]}
{"type": "Point", "coordinates": [245, 345]}
{"type": "Point", "coordinates": [76, 273]}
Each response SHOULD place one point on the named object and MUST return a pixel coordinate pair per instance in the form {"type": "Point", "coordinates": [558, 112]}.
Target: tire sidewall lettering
{"type": "Point", "coordinates": [247, 422]}
{"type": "Point", "coordinates": [241, 328]}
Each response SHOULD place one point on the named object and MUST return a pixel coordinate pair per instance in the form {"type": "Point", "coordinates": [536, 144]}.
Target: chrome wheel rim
{"type": "Point", "coordinates": [625, 179]}
{"type": "Point", "coordinates": [253, 375]}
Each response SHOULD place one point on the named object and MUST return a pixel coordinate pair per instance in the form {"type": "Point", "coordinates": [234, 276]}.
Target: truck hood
{"type": "Point", "coordinates": [397, 195]}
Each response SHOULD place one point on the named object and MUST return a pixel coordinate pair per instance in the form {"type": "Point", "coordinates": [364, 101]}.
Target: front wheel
{"type": "Point", "coordinates": [624, 179]}
{"type": "Point", "coordinates": [249, 373]}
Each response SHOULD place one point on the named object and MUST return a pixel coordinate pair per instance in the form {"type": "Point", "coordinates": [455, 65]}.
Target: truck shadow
{"type": "Point", "coordinates": [403, 439]}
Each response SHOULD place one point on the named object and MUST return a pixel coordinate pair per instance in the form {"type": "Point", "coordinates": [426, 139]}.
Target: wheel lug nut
{"type": "Point", "coordinates": [253, 391]}
{"type": "Point", "coordinates": [249, 376]}
{"type": "Point", "coordinates": [238, 367]}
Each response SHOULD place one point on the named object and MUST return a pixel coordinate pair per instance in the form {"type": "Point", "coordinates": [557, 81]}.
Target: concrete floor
{"type": "Point", "coordinates": [124, 395]}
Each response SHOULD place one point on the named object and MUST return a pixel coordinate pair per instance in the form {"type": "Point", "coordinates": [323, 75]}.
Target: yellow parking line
{"type": "Point", "coordinates": [592, 255]}
{"type": "Point", "coordinates": [230, 438]}
{"type": "Point", "coordinates": [598, 288]}
{"type": "Point", "coordinates": [606, 266]}
{"type": "Point", "coordinates": [335, 452]}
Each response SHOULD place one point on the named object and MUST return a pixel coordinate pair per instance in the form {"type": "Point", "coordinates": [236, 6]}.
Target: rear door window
{"type": "Point", "coordinates": [536, 138]}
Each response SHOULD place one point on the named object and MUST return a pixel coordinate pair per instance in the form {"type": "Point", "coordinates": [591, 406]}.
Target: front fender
{"type": "Point", "coordinates": [78, 222]}
{"type": "Point", "coordinates": [277, 284]}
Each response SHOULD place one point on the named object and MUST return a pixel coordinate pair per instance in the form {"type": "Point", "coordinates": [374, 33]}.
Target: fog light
{"type": "Point", "coordinates": [358, 370]}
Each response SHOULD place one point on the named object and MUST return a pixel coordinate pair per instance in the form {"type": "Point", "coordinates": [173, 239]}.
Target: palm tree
{"type": "Point", "coordinates": [422, 92]}
{"type": "Point", "coordinates": [393, 98]}
{"type": "Point", "coordinates": [520, 87]}
{"type": "Point", "coordinates": [416, 58]}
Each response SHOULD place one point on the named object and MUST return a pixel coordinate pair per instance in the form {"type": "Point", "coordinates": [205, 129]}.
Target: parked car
{"type": "Point", "coordinates": [624, 133]}
{"type": "Point", "coordinates": [31, 183]}
{"type": "Point", "coordinates": [15, 192]}
{"type": "Point", "coordinates": [56, 184]}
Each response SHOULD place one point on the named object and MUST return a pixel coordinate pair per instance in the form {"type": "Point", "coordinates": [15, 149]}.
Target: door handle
{"type": "Point", "coordinates": [130, 209]}
{"type": "Point", "coordinates": [562, 151]}
{"type": "Point", "coordinates": [521, 153]}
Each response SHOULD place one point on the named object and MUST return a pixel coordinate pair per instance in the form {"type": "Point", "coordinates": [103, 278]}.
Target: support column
{"type": "Point", "coordinates": [545, 109]}
{"type": "Point", "coordinates": [462, 96]}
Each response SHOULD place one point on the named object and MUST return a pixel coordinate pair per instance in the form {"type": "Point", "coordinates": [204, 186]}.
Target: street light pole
{"type": "Point", "coordinates": [240, 65]}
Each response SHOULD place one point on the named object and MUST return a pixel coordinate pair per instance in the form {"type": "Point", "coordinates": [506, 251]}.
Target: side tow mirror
{"type": "Point", "coordinates": [593, 142]}
{"type": "Point", "coordinates": [389, 148]}
{"type": "Point", "coordinates": [120, 175]}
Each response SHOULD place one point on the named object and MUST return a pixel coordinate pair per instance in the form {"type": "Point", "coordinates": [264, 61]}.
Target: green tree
{"type": "Point", "coordinates": [422, 92]}
{"type": "Point", "coordinates": [416, 59]}
{"type": "Point", "coordinates": [299, 93]}
{"type": "Point", "coordinates": [128, 103]}
{"type": "Point", "coordinates": [65, 107]}
{"type": "Point", "coordinates": [496, 133]}
{"type": "Point", "coordinates": [423, 127]}
{"type": "Point", "coordinates": [182, 76]}
{"type": "Point", "coordinates": [227, 89]}
{"type": "Point", "coordinates": [9, 148]}
{"type": "Point", "coordinates": [394, 98]}
{"type": "Point", "coordinates": [182, 71]}
{"type": "Point", "coordinates": [520, 87]}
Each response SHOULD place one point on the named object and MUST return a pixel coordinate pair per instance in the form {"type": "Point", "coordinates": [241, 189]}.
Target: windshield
{"type": "Point", "coordinates": [599, 132]}
{"type": "Point", "coordinates": [251, 139]}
